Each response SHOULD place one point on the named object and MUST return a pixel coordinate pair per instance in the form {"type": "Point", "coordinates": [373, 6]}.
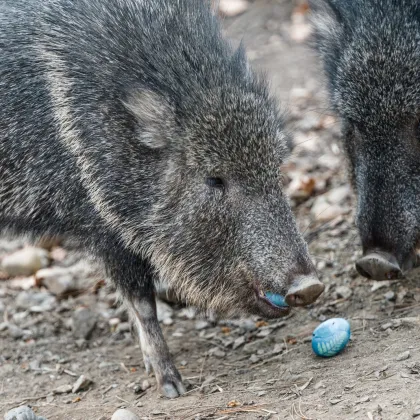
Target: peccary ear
{"type": "Point", "coordinates": [154, 115]}
{"type": "Point", "coordinates": [328, 21]}
{"type": "Point", "coordinates": [240, 62]}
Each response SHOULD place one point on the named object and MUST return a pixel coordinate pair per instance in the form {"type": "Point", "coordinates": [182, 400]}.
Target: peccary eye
{"type": "Point", "coordinates": [215, 182]}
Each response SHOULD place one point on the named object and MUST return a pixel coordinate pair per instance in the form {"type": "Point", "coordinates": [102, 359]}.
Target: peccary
{"type": "Point", "coordinates": [133, 128]}
{"type": "Point", "coordinates": [371, 53]}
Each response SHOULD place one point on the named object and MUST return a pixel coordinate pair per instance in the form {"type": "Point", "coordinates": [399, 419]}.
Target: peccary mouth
{"type": "Point", "coordinates": [267, 307]}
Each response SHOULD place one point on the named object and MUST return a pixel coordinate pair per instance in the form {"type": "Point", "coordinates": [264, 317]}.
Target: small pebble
{"type": "Point", "coordinates": [335, 401]}
{"type": "Point", "coordinates": [219, 353]}
{"type": "Point", "coordinates": [84, 321]}
{"type": "Point", "coordinates": [145, 385]}
{"type": "Point", "coordinates": [18, 317]}
{"type": "Point", "coordinates": [390, 296]}
{"type": "Point", "coordinates": [168, 321]}
{"type": "Point", "coordinates": [264, 333]}
{"type": "Point", "coordinates": [403, 356]}
{"type": "Point", "coordinates": [35, 365]}
{"type": "Point", "coordinates": [63, 389]}
{"type": "Point", "coordinates": [58, 280]}
{"type": "Point", "coordinates": [49, 399]}
{"type": "Point", "coordinates": [123, 327]}
{"type": "Point", "coordinates": [231, 8]}
{"type": "Point", "coordinates": [256, 345]}
{"type": "Point", "coordinates": [81, 343]}
{"type": "Point", "coordinates": [164, 311]}
{"type": "Point", "coordinates": [15, 332]}
{"type": "Point", "coordinates": [323, 211]}
{"type": "Point", "coordinates": [254, 358]}
{"type": "Point", "coordinates": [22, 413]}
{"type": "Point", "coordinates": [338, 195]}
{"type": "Point", "coordinates": [113, 323]}
{"type": "Point", "coordinates": [201, 325]}
{"type": "Point", "coordinates": [36, 301]}
{"type": "Point", "coordinates": [343, 292]}
{"type": "Point", "coordinates": [111, 366]}
{"type": "Point", "coordinates": [416, 412]}
{"type": "Point", "coordinates": [278, 348]}
{"type": "Point", "coordinates": [247, 325]}
{"type": "Point", "coordinates": [299, 93]}
{"type": "Point", "coordinates": [81, 384]}
{"type": "Point", "coordinates": [25, 262]}
{"type": "Point", "coordinates": [123, 414]}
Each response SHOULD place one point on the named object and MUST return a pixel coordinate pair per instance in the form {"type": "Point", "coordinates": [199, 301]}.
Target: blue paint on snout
{"type": "Point", "coordinates": [276, 299]}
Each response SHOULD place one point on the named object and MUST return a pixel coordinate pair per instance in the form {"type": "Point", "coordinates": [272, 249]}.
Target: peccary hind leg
{"type": "Point", "coordinates": [156, 354]}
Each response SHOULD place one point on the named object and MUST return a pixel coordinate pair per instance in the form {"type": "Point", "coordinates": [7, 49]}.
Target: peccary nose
{"type": "Point", "coordinates": [379, 266]}
{"type": "Point", "coordinates": [304, 290]}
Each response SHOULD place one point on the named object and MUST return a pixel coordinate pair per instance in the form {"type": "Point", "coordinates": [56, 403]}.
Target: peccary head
{"type": "Point", "coordinates": [221, 231]}
{"type": "Point", "coordinates": [371, 54]}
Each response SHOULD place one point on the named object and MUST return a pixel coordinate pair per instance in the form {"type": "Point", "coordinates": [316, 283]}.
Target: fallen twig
{"type": "Point", "coordinates": [18, 402]}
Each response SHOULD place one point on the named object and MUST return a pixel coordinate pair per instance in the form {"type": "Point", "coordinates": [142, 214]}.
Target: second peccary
{"type": "Point", "coordinates": [133, 128]}
{"type": "Point", "coordinates": [371, 54]}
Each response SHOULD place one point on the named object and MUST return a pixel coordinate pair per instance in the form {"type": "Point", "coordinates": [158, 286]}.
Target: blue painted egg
{"type": "Point", "coordinates": [331, 337]}
{"type": "Point", "coordinates": [275, 299]}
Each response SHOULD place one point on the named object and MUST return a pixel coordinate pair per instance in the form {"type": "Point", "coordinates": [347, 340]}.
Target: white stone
{"type": "Point", "coordinates": [231, 8]}
{"type": "Point", "coordinates": [164, 311]}
{"type": "Point", "coordinates": [123, 414]}
{"type": "Point", "coordinates": [25, 262]}
{"type": "Point", "coordinates": [323, 211]}
{"type": "Point", "coordinates": [57, 280]}
{"type": "Point", "coordinates": [81, 384]}
{"type": "Point", "coordinates": [22, 413]}
{"type": "Point", "coordinates": [338, 195]}
{"type": "Point", "coordinates": [343, 292]}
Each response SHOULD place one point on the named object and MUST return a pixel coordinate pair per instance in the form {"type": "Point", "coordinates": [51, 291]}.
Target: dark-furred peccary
{"type": "Point", "coordinates": [371, 54]}
{"type": "Point", "coordinates": [135, 129]}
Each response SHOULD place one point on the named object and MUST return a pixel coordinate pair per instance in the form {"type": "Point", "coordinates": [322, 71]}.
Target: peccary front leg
{"type": "Point", "coordinates": [133, 276]}
{"type": "Point", "coordinates": [156, 354]}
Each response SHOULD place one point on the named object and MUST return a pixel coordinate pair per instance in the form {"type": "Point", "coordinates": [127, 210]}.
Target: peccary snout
{"type": "Point", "coordinates": [386, 215]}
{"type": "Point", "coordinates": [388, 231]}
{"type": "Point", "coordinates": [304, 291]}
{"type": "Point", "coordinates": [273, 257]}
{"type": "Point", "coordinates": [379, 266]}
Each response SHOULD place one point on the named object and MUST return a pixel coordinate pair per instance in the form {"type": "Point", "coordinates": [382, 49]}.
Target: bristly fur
{"type": "Point", "coordinates": [371, 54]}
{"type": "Point", "coordinates": [113, 113]}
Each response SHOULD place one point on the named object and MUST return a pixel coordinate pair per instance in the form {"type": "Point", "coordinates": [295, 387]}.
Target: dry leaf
{"type": "Point", "coordinates": [225, 330]}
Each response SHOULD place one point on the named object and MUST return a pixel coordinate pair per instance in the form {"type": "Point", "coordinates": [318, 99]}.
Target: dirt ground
{"type": "Point", "coordinates": [233, 368]}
